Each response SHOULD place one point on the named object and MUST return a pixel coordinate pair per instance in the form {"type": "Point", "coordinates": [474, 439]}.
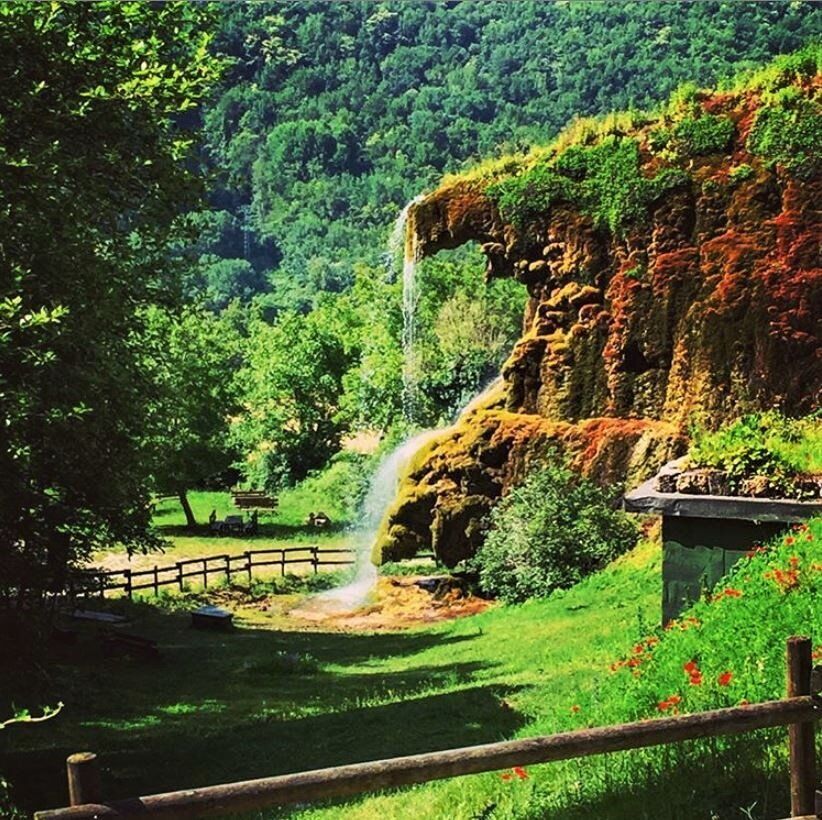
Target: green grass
{"type": "Point", "coordinates": [284, 527]}
{"type": "Point", "coordinates": [222, 707]}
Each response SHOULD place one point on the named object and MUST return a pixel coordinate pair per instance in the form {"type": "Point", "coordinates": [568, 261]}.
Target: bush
{"type": "Point", "coordinates": [788, 132]}
{"type": "Point", "coordinates": [694, 137]}
{"type": "Point", "coordinates": [549, 533]}
{"type": "Point", "coordinates": [765, 444]}
{"type": "Point", "coordinates": [604, 181]}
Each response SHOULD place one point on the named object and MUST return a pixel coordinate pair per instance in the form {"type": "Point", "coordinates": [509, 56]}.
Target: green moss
{"type": "Point", "coordinates": [701, 136]}
{"type": "Point", "coordinates": [604, 181]}
{"type": "Point", "coordinates": [741, 173]}
{"type": "Point", "coordinates": [788, 131]}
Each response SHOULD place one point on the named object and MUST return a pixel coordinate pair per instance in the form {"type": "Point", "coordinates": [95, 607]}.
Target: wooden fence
{"type": "Point", "coordinates": [799, 711]}
{"type": "Point", "coordinates": [98, 582]}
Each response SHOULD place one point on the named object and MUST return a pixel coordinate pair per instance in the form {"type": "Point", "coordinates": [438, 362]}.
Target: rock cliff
{"type": "Point", "coordinates": [673, 268]}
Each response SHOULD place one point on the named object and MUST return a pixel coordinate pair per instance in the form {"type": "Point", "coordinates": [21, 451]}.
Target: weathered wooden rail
{"type": "Point", "coordinates": [799, 711]}
{"type": "Point", "coordinates": [98, 582]}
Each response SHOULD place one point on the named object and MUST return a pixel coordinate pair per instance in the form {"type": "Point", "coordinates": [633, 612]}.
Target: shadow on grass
{"type": "Point", "coordinates": [220, 707]}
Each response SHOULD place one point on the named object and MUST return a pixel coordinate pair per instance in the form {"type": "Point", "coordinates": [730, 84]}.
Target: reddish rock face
{"type": "Point", "coordinates": [710, 307]}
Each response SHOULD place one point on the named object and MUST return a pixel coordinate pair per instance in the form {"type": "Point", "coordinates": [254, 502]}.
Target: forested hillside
{"type": "Point", "coordinates": [334, 114]}
{"type": "Point", "coordinates": [330, 116]}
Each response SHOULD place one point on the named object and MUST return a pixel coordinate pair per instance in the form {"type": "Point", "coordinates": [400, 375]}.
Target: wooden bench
{"type": "Point", "coordinates": [253, 499]}
{"type": "Point", "coordinates": [118, 643]}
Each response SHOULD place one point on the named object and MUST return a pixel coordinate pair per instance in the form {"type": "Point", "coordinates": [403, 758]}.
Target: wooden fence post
{"type": "Point", "coordinates": [180, 575]}
{"type": "Point", "coordinates": [228, 570]}
{"type": "Point", "coordinates": [248, 566]}
{"type": "Point", "coordinates": [83, 770]}
{"type": "Point", "coordinates": [156, 581]}
{"type": "Point", "coordinates": [801, 735]}
{"type": "Point", "coordinates": [205, 573]}
{"type": "Point", "coordinates": [129, 591]}
{"type": "Point", "coordinates": [102, 581]}
{"type": "Point", "coordinates": [314, 558]}
{"type": "Point", "coordinates": [282, 563]}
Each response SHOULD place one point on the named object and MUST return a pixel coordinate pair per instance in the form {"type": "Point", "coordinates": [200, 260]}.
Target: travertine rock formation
{"type": "Point", "coordinates": [709, 305]}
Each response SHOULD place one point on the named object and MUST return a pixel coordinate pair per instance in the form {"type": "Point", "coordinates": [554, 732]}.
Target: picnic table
{"type": "Point", "coordinates": [233, 524]}
{"type": "Point", "coordinates": [254, 499]}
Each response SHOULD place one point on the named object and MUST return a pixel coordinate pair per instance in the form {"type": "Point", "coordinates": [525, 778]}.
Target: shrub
{"type": "Point", "coordinates": [761, 444]}
{"type": "Point", "coordinates": [788, 132]}
{"type": "Point", "coordinates": [694, 137]}
{"type": "Point", "coordinates": [604, 181]}
{"type": "Point", "coordinates": [549, 533]}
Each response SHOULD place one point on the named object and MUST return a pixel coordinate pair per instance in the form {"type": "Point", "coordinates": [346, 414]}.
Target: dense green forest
{"type": "Point", "coordinates": [194, 214]}
{"type": "Point", "coordinates": [330, 116]}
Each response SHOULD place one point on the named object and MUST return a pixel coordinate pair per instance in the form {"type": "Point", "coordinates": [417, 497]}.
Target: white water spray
{"type": "Point", "coordinates": [403, 239]}
{"type": "Point", "coordinates": [381, 493]}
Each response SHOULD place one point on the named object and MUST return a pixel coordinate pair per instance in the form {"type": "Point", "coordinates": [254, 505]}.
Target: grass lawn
{"type": "Point", "coordinates": [284, 527]}
{"type": "Point", "coordinates": [259, 701]}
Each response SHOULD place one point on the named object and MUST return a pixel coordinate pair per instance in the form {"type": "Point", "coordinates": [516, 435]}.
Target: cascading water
{"type": "Point", "coordinates": [381, 493]}
{"type": "Point", "coordinates": [386, 479]}
{"type": "Point", "coordinates": [403, 240]}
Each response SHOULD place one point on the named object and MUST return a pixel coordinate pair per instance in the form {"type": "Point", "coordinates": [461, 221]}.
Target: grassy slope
{"type": "Point", "coordinates": [742, 632]}
{"type": "Point", "coordinates": [229, 707]}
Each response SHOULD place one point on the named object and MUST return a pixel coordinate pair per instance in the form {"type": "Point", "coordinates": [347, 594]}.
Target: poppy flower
{"type": "Point", "coordinates": [691, 667]}
{"type": "Point", "coordinates": [520, 772]}
{"type": "Point", "coordinates": [725, 678]}
{"type": "Point", "coordinates": [575, 708]}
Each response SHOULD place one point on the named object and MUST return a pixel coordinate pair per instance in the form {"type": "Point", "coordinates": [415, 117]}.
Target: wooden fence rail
{"type": "Point", "coordinates": [799, 711]}
{"type": "Point", "coordinates": [98, 582]}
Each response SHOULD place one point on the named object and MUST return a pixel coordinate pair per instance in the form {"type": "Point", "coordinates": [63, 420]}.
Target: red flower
{"type": "Point", "coordinates": [670, 703]}
{"type": "Point", "coordinates": [506, 776]}
{"type": "Point", "coordinates": [575, 708]}
{"type": "Point", "coordinates": [520, 772]}
{"type": "Point", "coordinates": [730, 592]}
{"type": "Point", "coordinates": [789, 540]}
{"type": "Point", "coordinates": [725, 678]}
{"type": "Point", "coordinates": [696, 679]}
{"type": "Point", "coordinates": [691, 667]}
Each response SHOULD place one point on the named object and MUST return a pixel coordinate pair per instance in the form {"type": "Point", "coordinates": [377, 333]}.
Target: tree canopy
{"type": "Point", "coordinates": [92, 149]}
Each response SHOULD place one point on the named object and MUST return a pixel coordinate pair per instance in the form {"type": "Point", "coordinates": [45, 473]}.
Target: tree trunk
{"type": "Point", "coordinates": [189, 513]}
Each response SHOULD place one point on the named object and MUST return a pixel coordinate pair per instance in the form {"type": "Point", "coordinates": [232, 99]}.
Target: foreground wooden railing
{"type": "Point", "coordinates": [799, 711]}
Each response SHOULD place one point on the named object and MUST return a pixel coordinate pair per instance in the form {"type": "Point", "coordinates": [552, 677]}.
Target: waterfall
{"type": "Point", "coordinates": [381, 492]}
{"type": "Point", "coordinates": [403, 240]}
